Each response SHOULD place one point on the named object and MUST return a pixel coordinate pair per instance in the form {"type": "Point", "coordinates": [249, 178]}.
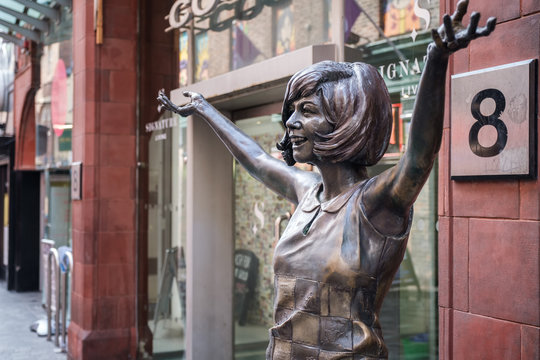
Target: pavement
{"type": "Point", "coordinates": [17, 312]}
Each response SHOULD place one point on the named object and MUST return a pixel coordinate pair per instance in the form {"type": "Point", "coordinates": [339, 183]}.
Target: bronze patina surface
{"type": "Point", "coordinates": [343, 245]}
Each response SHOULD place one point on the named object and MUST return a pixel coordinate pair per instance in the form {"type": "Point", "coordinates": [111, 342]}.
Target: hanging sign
{"type": "Point", "coordinates": [493, 122]}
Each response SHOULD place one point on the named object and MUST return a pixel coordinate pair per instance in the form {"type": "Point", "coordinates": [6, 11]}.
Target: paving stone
{"type": "Point", "coordinates": [17, 312]}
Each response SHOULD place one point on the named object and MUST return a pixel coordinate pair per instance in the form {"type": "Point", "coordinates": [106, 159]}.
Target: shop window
{"type": "Point", "coordinates": [202, 58]}
{"type": "Point", "coordinates": [54, 107]}
{"type": "Point", "coordinates": [285, 34]}
{"type": "Point", "coordinates": [183, 58]}
{"type": "Point", "coordinates": [400, 17]}
{"type": "Point", "coordinates": [167, 236]}
{"type": "Point", "coordinates": [259, 214]}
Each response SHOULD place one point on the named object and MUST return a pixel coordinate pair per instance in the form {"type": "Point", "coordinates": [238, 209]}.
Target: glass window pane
{"type": "Point", "coordinates": [393, 36]}
{"type": "Point", "coordinates": [258, 212]}
{"type": "Point", "coordinates": [239, 33]}
{"type": "Point", "coordinates": [167, 238]}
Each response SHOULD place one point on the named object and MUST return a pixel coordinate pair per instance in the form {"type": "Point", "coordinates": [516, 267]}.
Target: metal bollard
{"type": "Point", "coordinates": [53, 255]}
{"type": "Point", "coordinates": [67, 261]}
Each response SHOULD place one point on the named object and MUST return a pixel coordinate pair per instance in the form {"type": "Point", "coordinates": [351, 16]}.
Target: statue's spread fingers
{"type": "Point", "coordinates": [450, 36]}
{"type": "Point", "coordinates": [461, 10]}
{"type": "Point", "coordinates": [490, 26]}
{"type": "Point", "coordinates": [189, 94]}
{"type": "Point", "coordinates": [473, 25]}
{"type": "Point", "coordinates": [437, 38]}
{"type": "Point", "coordinates": [165, 100]}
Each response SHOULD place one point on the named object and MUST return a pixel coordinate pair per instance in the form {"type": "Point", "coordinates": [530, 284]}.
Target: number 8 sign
{"type": "Point", "coordinates": [493, 119]}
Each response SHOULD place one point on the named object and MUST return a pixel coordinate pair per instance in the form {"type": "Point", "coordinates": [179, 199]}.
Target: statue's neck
{"type": "Point", "coordinates": [338, 178]}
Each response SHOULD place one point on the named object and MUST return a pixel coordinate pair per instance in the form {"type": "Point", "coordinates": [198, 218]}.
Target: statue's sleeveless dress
{"type": "Point", "coordinates": [332, 270]}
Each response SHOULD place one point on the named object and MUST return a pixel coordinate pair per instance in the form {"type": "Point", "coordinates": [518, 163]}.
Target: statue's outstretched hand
{"type": "Point", "coordinates": [452, 35]}
{"type": "Point", "coordinates": [186, 110]}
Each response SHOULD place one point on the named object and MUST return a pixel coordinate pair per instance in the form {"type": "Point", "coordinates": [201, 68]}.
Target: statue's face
{"type": "Point", "coordinates": [305, 125]}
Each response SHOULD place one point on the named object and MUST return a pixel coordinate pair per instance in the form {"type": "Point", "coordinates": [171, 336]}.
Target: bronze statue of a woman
{"type": "Point", "coordinates": [343, 245]}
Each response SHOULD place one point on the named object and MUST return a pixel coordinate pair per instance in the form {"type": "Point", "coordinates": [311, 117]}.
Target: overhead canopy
{"type": "Point", "coordinates": [29, 19]}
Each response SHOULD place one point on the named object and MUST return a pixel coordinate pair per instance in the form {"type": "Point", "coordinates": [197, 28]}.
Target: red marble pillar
{"type": "Point", "coordinates": [109, 295]}
{"type": "Point", "coordinates": [103, 321]}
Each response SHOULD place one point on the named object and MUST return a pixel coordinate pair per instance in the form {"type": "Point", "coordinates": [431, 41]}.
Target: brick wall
{"type": "Point", "coordinates": [490, 230]}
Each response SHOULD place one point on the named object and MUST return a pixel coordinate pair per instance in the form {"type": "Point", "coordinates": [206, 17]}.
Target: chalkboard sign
{"type": "Point", "coordinates": [246, 267]}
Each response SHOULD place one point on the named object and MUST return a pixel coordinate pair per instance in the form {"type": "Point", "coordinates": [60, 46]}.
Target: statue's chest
{"type": "Point", "coordinates": [311, 247]}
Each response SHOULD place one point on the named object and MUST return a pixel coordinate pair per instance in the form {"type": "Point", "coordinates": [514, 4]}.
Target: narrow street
{"type": "Point", "coordinates": [17, 312]}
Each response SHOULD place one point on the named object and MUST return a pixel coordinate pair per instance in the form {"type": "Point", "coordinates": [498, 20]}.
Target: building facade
{"type": "Point", "coordinates": [172, 240]}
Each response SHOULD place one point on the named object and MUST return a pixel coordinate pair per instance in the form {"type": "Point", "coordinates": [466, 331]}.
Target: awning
{"type": "Point", "coordinates": [29, 19]}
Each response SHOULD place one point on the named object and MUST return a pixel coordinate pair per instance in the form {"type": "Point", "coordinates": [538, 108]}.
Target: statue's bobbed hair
{"type": "Point", "coordinates": [354, 100]}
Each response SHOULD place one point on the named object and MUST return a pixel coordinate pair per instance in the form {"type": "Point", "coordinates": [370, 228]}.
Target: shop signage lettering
{"type": "Point", "coordinates": [183, 11]}
{"type": "Point", "coordinates": [160, 137]}
{"type": "Point", "coordinates": [398, 70]}
{"type": "Point", "coordinates": [161, 124]}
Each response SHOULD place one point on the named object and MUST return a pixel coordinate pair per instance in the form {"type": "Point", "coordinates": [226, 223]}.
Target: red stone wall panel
{"type": "Point", "coordinates": [83, 280]}
{"type": "Point", "coordinates": [84, 149]}
{"type": "Point", "coordinates": [529, 6]}
{"type": "Point", "coordinates": [510, 42]}
{"type": "Point", "coordinates": [493, 199]}
{"type": "Point", "coordinates": [117, 150]}
{"type": "Point", "coordinates": [530, 342]}
{"type": "Point", "coordinates": [116, 182]}
{"type": "Point", "coordinates": [112, 247]}
{"type": "Point", "coordinates": [478, 337]}
{"type": "Point", "coordinates": [504, 270]}
{"type": "Point", "coordinates": [445, 261]}
{"type": "Point", "coordinates": [460, 264]}
{"type": "Point", "coordinates": [529, 205]}
{"type": "Point", "coordinates": [460, 62]}
{"type": "Point", "coordinates": [84, 247]}
{"type": "Point", "coordinates": [118, 54]}
{"type": "Point", "coordinates": [89, 186]}
{"type": "Point", "coordinates": [445, 333]}
{"type": "Point", "coordinates": [122, 86]}
{"type": "Point", "coordinates": [120, 19]}
{"type": "Point", "coordinates": [117, 215]}
{"type": "Point", "coordinates": [115, 280]}
{"type": "Point", "coordinates": [117, 118]}
{"type": "Point", "coordinates": [444, 185]}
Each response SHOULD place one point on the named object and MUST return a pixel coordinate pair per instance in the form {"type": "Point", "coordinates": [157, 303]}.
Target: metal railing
{"type": "Point", "coordinates": [62, 268]}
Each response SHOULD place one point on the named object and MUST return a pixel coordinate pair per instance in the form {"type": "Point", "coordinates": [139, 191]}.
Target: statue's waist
{"type": "Point", "coordinates": [330, 336]}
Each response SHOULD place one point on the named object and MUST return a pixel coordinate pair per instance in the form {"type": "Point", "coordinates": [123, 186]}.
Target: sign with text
{"type": "Point", "coordinates": [76, 181]}
{"type": "Point", "coordinates": [219, 13]}
{"type": "Point", "coordinates": [493, 122]}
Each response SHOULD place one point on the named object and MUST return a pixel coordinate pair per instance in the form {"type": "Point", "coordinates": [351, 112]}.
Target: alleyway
{"type": "Point", "coordinates": [17, 312]}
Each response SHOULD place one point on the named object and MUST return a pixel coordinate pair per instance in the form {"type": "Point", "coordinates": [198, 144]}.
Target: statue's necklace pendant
{"type": "Point", "coordinates": [308, 225]}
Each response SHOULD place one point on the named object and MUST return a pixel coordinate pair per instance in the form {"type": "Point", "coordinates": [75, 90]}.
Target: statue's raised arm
{"type": "Point", "coordinates": [289, 182]}
{"type": "Point", "coordinates": [390, 196]}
